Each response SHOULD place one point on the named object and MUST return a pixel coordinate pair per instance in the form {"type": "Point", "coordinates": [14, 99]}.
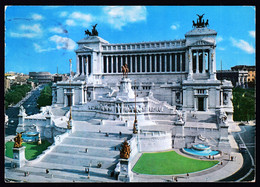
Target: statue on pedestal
{"type": "Point", "coordinates": [125, 70]}
{"type": "Point", "coordinates": [18, 140]}
{"type": "Point", "coordinates": [125, 150]}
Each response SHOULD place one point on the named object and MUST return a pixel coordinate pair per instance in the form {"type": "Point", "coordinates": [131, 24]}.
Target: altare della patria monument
{"type": "Point", "coordinates": [132, 98]}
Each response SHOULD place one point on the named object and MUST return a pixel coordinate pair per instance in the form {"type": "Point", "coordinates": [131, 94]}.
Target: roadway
{"type": "Point", "coordinates": [30, 105]}
{"type": "Point", "coordinates": [247, 172]}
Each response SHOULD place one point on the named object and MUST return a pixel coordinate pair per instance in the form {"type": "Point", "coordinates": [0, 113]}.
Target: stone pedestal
{"type": "Point", "coordinates": [179, 140]}
{"type": "Point", "coordinates": [125, 174]}
{"type": "Point", "coordinates": [224, 144]}
{"type": "Point", "coordinates": [18, 157]}
{"type": "Point", "coordinates": [125, 90]}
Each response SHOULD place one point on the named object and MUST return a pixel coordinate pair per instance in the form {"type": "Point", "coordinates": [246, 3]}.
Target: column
{"type": "Point", "coordinates": [160, 58]}
{"type": "Point", "coordinates": [141, 65]}
{"type": "Point", "coordinates": [83, 64]}
{"type": "Point", "coordinates": [86, 65]}
{"type": "Point", "coordinates": [116, 64]}
{"type": "Point", "coordinates": [107, 63]}
{"type": "Point", "coordinates": [112, 64]}
{"type": "Point", "coordinates": [206, 103]}
{"type": "Point", "coordinates": [131, 62]}
{"type": "Point", "coordinates": [180, 62]}
{"type": "Point", "coordinates": [135, 63]}
{"type": "Point", "coordinates": [78, 64]}
{"type": "Point", "coordinates": [165, 62]}
{"type": "Point", "coordinates": [175, 55]}
{"type": "Point", "coordinates": [145, 63]}
{"type": "Point", "coordinates": [197, 62]}
{"type": "Point", "coordinates": [150, 63]}
{"type": "Point", "coordinates": [210, 65]}
{"type": "Point", "coordinates": [155, 62]}
{"type": "Point", "coordinates": [170, 62]}
{"type": "Point", "coordinates": [203, 62]}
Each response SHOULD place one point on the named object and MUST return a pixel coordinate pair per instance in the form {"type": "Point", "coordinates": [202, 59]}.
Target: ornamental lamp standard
{"type": "Point", "coordinates": [135, 121]}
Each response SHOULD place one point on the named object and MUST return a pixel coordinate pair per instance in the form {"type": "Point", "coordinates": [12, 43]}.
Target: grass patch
{"type": "Point", "coordinates": [32, 150]}
{"type": "Point", "coordinates": [169, 163]}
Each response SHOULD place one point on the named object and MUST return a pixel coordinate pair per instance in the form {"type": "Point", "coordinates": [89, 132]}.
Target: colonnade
{"type": "Point", "coordinates": [138, 63]}
{"type": "Point", "coordinates": [201, 61]}
{"type": "Point", "coordinates": [84, 64]}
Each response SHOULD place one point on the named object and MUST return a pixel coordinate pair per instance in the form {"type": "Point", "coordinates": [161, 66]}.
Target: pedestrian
{"type": "Point", "coordinates": [25, 174]}
{"type": "Point", "coordinates": [115, 148]}
{"type": "Point", "coordinates": [120, 133]}
{"type": "Point", "coordinates": [47, 171]}
{"type": "Point", "coordinates": [213, 157]}
{"type": "Point", "coordinates": [231, 158]}
{"type": "Point", "coordinates": [86, 150]}
{"type": "Point", "coordinates": [221, 163]}
{"type": "Point", "coordinates": [209, 156]}
{"type": "Point", "coordinates": [188, 175]}
{"type": "Point", "coordinates": [28, 173]}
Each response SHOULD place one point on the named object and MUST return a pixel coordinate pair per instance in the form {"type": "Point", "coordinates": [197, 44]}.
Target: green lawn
{"type": "Point", "coordinates": [169, 163]}
{"type": "Point", "coordinates": [32, 150]}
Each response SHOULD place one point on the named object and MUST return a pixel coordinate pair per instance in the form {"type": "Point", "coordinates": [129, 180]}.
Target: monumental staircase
{"type": "Point", "coordinates": [70, 158]}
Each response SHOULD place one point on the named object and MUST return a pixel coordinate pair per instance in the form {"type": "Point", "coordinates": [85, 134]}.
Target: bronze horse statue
{"type": "Point", "coordinates": [125, 70]}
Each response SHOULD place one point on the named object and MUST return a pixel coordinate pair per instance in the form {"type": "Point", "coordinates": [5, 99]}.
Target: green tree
{"type": "Point", "coordinates": [46, 96]}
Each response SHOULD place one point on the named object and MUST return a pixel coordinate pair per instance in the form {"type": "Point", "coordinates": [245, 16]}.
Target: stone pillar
{"type": "Point", "coordinates": [197, 62]}
{"type": "Point", "coordinates": [141, 65]}
{"type": "Point", "coordinates": [173, 97]}
{"type": "Point", "coordinates": [179, 139]}
{"type": "Point", "coordinates": [190, 64]}
{"type": "Point", "coordinates": [206, 103]}
{"type": "Point", "coordinates": [155, 60]}
{"type": "Point", "coordinates": [112, 64]}
{"type": "Point", "coordinates": [18, 157]}
{"type": "Point", "coordinates": [107, 63]}
{"type": "Point", "coordinates": [180, 62]}
{"type": "Point", "coordinates": [86, 64]}
{"type": "Point", "coordinates": [210, 61]}
{"type": "Point", "coordinates": [78, 65]}
{"type": "Point", "coordinates": [175, 56]}
{"type": "Point", "coordinates": [135, 63]}
{"type": "Point", "coordinates": [160, 59]}
{"type": "Point", "coordinates": [131, 62]}
{"type": "Point", "coordinates": [145, 63]}
{"type": "Point", "coordinates": [203, 62]}
{"type": "Point", "coordinates": [125, 174]}
{"type": "Point", "coordinates": [150, 62]}
{"type": "Point", "coordinates": [82, 65]}
{"type": "Point", "coordinates": [165, 62]}
{"type": "Point", "coordinates": [170, 62]}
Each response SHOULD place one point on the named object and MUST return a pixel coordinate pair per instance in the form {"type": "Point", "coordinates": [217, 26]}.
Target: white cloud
{"type": "Point", "coordinates": [252, 34]}
{"type": "Point", "coordinates": [221, 48]}
{"type": "Point", "coordinates": [81, 16]}
{"type": "Point", "coordinates": [28, 31]}
{"type": "Point", "coordinates": [23, 35]}
{"type": "Point", "coordinates": [70, 22]}
{"type": "Point", "coordinates": [219, 39]}
{"type": "Point", "coordinates": [37, 17]}
{"type": "Point", "coordinates": [242, 44]}
{"type": "Point", "coordinates": [175, 26]}
{"type": "Point", "coordinates": [58, 30]}
{"type": "Point", "coordinates": [119, 16]}
{"type": "Point", "coordinates": [33, 28]}
{"type": "Point", "coordinates": [63, 42]}
{"type": "Point", "coordinates": [39, 49]}
{"type": "Point", "coordinates": [63, 14]}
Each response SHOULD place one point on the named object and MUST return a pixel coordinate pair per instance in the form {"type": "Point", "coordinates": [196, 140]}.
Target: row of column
{"type": "Point", "coordinates": [84, 64]}
{"type": "Point", "coordinates": [200, 59]}
{"type": "Point", "coordinates": [169, 62]}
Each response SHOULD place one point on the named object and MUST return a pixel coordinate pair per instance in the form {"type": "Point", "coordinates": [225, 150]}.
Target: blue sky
{"type": "Point", "coordinates": [40, 38]}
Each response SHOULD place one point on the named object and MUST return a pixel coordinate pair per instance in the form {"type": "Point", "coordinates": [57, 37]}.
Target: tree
{"type": "Point", "coordinates": [46, 96]}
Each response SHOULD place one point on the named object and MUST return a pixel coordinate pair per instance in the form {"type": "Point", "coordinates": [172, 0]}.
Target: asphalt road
{"type": "Point", "coordinates": [245, 136]}
{"type": "Point", "coordinates": [30, 106]}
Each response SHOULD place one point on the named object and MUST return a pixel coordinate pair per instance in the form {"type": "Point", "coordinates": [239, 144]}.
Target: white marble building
{"type": "Point", "coordinates": [174, 82]}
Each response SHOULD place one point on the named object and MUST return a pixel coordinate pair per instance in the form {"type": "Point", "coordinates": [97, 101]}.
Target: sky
{"type": "Point", "coordinates": [44, 38]}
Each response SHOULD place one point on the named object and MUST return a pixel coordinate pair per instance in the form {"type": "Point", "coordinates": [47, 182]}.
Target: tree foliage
{"type": "Point", "coordinates": [16, 93]}
{"type": "Point", "coordinates": [46, 96]}
{"type": "Point", "coordinates": [244, 104]}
